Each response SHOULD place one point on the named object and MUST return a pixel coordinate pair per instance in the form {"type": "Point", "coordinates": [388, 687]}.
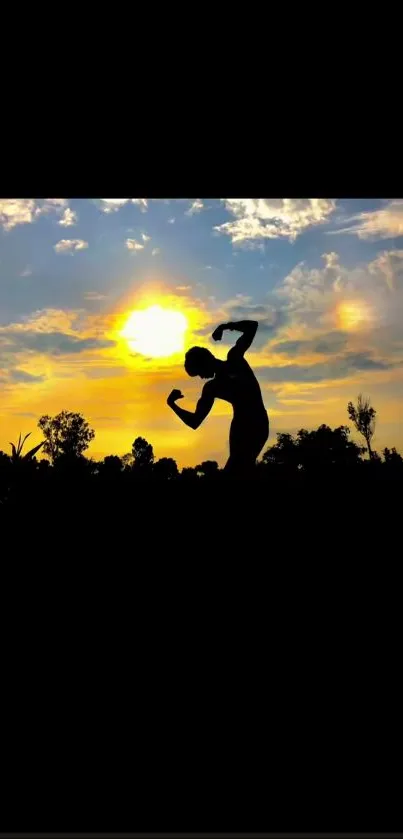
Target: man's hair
{"type": "Point", "coordinates": [196, 359]}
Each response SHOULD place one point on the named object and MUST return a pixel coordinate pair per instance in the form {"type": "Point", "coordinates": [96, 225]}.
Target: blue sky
{"type": "Point", "coordinates": [322, 276]}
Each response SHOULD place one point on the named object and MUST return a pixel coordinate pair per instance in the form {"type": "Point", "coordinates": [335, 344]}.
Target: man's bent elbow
{"type": "Point", "coordinates": [196, 421]}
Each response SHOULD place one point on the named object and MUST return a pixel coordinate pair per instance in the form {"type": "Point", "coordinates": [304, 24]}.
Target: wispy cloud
{"type": "Point", "coordinates": [69, 218]}
{"type": "Point", "coordinates": [56, 202]}
{"type": "Point", "coordinates": [132, 245]}
{"type": "Point", "coordinates": [273, 218]}
{"type": "Point", "coordinates": [155, 251]}
{"type": "Point", "coordinates": [54, 333]}
{"type": "Point", "coordinates": [145, 238]}
{"type": "Point", "coordinates": [171, 220]}
{"type": "Point", "coordinates": [54, 343]}
{"type": "Point", "coordinates": [364, 303]}
{"type": "Point", "coordinates": [384, 223]}
{"type": "Point", "coordinates": [22, 376]}
{"type": "Point", "coordinates": [94, 295]}
{"type": "Point", "coordinates": [142, 203]}
{"type": "Point", "coordinates": [195, 207]}
{"type": "Point", "coordinates": [389, 265]}
{"type": "Point", "coordinates": [70, 245]}
{"type": "Point", "coordinates": [338, 368]}
{"type": "Point", "coordinates": [111, 205]}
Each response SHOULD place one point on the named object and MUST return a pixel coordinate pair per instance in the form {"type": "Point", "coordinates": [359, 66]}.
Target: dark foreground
{"type": "Point", "coordinates": [214, 656]}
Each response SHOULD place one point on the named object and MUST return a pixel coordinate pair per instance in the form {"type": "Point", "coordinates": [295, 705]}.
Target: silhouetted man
{"type": "Point", "coordinates": [234, 381]}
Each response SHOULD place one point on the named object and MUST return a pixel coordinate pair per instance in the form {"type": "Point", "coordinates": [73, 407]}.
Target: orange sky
{"type": "Point", "coordinates": [123, 395]}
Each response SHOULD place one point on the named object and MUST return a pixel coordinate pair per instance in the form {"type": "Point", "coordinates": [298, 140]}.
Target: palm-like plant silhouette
{"type": "Point", "coordinates": [17, 455]}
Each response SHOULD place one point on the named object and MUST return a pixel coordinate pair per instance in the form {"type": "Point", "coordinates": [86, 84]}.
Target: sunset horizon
{"type": "Point", "coordinates": [101, 298]}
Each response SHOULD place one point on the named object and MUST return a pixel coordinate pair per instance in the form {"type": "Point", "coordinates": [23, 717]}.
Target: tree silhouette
{"type": "Point", "coordinates": [310, 460]}
{"type": "Point", "coordinates": [327, 448]}
{"type": "Point", "coordinates": [311, 451]}
{"type": "Point", "coordinates": [166, 469]}
{"type": "Point", "coordinates": [111, 466]}
{"type": "Point", "coordinates": [189, 473]}
{"type": "Point", "coordinates": [207, 469]}
{"type": "Point", "coordinates": [283, 453]}
{"type": "Point", "coordinates": [393, 457]}
{"type": "Point", "coordinates": [67, 433]}
{"type": "Point", "coordinates": [143, 455]}
{"type": "Point", "coordinates": [393, 463]}
{"type": "Point", "coordinates": [363, 417]}
{"type": "Point", "coordinates": [5, 460]}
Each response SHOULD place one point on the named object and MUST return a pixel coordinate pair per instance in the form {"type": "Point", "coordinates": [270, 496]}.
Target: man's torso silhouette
{"type": "Point", "coordinates": [236, 383]}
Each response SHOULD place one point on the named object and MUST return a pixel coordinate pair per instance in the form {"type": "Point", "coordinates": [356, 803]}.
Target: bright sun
{"type": "Point", "coordinates": [155, 332]}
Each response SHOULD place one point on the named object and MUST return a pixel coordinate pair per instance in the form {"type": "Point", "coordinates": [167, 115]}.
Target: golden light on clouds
{"type": "Point", "coordinates": [353, 314]}
{"type": "Point", "coordinates": [155, 332]}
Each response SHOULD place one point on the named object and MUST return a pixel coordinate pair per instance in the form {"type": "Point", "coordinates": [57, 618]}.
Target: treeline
{"type": "Point", "coordinates": [324, 451]}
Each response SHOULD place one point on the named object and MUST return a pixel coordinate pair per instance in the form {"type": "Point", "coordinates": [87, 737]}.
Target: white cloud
{"type": "Point", "coordinates": [145, 238]}
{"type": "Point", "coordinates": [389, 264]}
{"type": "Point", "coordinates": [70, 245]}
{"type": "Point", "coordinates": [50, 205]}
{"type": "Point", "coordinates": [132, 245]}
{"type": "Point", "coordinates": [155, 251]}
{"type": "Point", "coordinates": [111, 205]}
{"type": "Point", "coordinates": [385, 223]}
{"type": "Point", "coordinates": [142, 203]}
{"type": "Point", "coordinates": [15, 211]}
{"type": "Point", "coordinates": [351, 315]}
{"type": "Point", "coordinates": [365, 301]}
{"type": "Point", "coordinates": [195, 207]}
{"type": "Point", "coordinates": [56, 202]}
{"type": "Point", "coordinates": [171, 220]}
{"type": "Point", "coordinates": [272, 218]}
{"type": "Point", "coordinates": [309, 287]}
{"type": "Point", "coordinates": [26, 272]}
{"type": "Point", "coordinates": [69, 218]}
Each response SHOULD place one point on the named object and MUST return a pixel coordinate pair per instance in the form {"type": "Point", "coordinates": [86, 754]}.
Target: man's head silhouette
{"type": "Point", "coordinates": [200, 362]}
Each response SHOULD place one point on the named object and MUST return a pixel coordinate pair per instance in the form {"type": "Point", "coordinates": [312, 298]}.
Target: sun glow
{"type": "Point", "coordinates": [353, 314]}
{"type": "Point", "coordinates": [155, 332]}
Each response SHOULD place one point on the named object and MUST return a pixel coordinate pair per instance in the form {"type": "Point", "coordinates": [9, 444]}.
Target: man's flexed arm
{"type": "Point", "coordinates": [248, 329]}
{"type": "Point", "coordinates": [203, 407]}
